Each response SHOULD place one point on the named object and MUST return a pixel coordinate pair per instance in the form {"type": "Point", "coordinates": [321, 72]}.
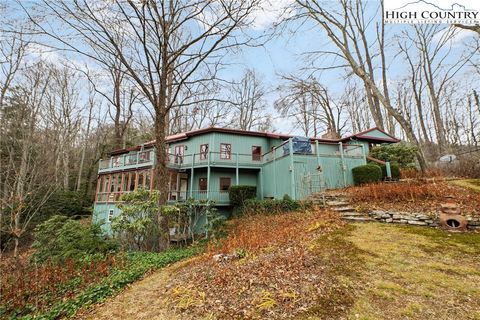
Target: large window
{"type": "Point", "coordinates": [225, 151]}
{"type": "Point", "coordinates": [203, 151]}
{"type": "Point", "coordinates": [225, 183]}
{"type": "Point", "coordinates": [202, 184]}
{"type": "Point", "coordinates": [131, 181]}
{"type": "Point", "coordinates": [256, 153]}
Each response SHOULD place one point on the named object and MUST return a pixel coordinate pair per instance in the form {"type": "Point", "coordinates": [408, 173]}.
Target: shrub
{"type": "Point", "coordinates": [60, 238]}
{"type": "Point", "coordinates": [139, 225]}
{"type": "Point", "coordinates": [366, 174]}
{"type": "Point", "coordinates": [239, 194]}
{"type": "Point", "coordinates": [273, 206]}
{"type": "Point", "coordinates": [401, 153]}
{"type": "Point", "coordinates": [394, 169]}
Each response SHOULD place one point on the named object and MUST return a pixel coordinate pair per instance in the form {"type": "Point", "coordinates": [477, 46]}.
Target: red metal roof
{"type": "Point", "coordinates": [188, 134]}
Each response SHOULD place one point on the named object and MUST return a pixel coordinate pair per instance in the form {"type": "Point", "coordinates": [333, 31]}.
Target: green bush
{"type": "Point", "coordinates": [273, 206]}
{"type": "Point", "coordinates": [140, 224]}
{"type": "Point", "coordinates": [394, 169]}
{"type": "Point", "coordinates": [400, 153]}
{"type": "Point", "coordinates": [60, 238]}
{"type": "Point", "coordinates": [367, 174]}
{"type": "Point", "coordinates": [239, 194]}
{"type": "Point", "coordinates": [138, 264]}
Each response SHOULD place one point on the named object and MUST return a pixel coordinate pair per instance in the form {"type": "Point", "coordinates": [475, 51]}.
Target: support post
{"type": "Point", "coordinates": [364, 154]}
{"type": "Point", "coordinates": [274, 173]}
{"type": "Point", "coordinates": [388, 169]}
{"type": "Point", "coordinates": [292, 169]}
{"type": "Point", "coordinates": [236, 169]}
{"type": "Point", "coordinates": [191, 176]}
{"type": "Point", "coordinates": [261, 183]}
{"type": "Point", "coordinates": [317, 153]}
{"type": "Point", "coordinates": [208, 175]}
{"type": "Point", "coordinates": [344, 169]}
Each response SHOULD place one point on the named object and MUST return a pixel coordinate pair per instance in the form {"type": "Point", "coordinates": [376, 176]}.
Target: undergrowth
{"type": "Point", "coordinates": [63, 290]}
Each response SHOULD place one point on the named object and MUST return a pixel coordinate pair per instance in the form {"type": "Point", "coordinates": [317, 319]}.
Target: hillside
{"type": "Point", "coordinates": [311, 265]}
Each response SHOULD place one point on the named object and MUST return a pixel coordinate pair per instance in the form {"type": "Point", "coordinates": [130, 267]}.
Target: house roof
{"type": "Point", "coordinates": [364, 135]}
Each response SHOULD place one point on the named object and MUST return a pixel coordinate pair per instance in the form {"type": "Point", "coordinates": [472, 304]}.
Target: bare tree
{"type": "Point", "coordinates": [247, 101]}
{"type": "Point", "coordinates": [311, 105]}
{"type": "Point", "coordinates": [345, 25]}
{"type": "Point", "coordinates": [24, 192]}
{"type": "Point", "coordinates": [163, 46]}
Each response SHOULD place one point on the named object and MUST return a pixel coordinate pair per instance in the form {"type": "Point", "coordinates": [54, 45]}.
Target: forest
{"type": "Point", "coordinates": [80, 79]}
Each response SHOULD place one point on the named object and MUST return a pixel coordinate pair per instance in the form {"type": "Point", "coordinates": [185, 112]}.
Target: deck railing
{"type": "Point", "coordinates": [147, 157]}
{"type": "Point", "coordinates": [220, 197]}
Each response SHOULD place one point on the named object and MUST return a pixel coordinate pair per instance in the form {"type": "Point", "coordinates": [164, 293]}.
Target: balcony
{"type": "Point", "coordinates": [127, 161]}
{"type": "Point", "coordinates": [219, 197]}
{"type": "Point", "coordinates": [146, 158]}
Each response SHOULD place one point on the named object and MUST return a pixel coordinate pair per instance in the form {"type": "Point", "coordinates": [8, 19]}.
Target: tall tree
{"type": "Point", "coordinates": [163, 46]}
{"type": "Point", "coordinates": [345, 27]}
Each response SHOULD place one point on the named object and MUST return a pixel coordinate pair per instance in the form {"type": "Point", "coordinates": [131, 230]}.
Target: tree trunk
{"type": "Point", "coordinates": [161, 175]}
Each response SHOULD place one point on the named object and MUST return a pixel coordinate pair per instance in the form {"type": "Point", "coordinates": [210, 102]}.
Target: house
{"type": "Point", "coordinates": [204, 163]}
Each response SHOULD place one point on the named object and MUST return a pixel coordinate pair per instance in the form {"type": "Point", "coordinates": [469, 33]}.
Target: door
{"type": "Point", "coordinates": [183, 189]}
{"type": "Point", "coordinates": [179, 153]}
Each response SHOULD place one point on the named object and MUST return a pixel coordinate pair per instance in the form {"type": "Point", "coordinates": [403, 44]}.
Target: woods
{"type": "Point", "coordinates": [79, 80]}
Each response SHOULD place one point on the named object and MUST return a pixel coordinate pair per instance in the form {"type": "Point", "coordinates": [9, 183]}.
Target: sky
{"type": "Point", "coordinates": [284, 54]}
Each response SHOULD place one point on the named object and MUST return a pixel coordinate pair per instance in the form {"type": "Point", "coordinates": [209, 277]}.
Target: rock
{"type": "Point", "coordinates": [389, 220]}
{"type": "Point", "coordinates": [220, 257]}
{"type": "Point", "coordinates": [417, 223]}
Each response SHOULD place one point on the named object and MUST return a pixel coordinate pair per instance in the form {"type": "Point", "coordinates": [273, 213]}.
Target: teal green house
{"type": "Point", "coordinates": [204, 163]}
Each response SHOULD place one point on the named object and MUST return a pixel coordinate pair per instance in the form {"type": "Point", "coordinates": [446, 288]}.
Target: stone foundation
{"type": "Point", "coordinates": [417, 219]}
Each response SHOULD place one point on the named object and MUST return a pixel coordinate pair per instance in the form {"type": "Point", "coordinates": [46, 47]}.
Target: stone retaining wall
{"type": "Point", "coordinates": [418, 219]}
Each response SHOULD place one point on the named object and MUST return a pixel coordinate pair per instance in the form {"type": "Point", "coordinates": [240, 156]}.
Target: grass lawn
{"type": "Point", "coordinates": [402, 272]}
{"type": "Point", "coordinates": [357, 271]}
{"type": "Point", "coordinates": [472, 184]}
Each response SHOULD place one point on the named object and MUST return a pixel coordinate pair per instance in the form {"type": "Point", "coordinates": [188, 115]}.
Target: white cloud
{"type": "Point", "coordinates": [270, 12]}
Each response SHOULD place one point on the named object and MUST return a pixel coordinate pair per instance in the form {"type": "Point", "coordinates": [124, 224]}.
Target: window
{"type": "Point", "coordinates": [179, 152]}
{"type": "Point", "coordinates": [141, 179]}
{"type": "Point", "coordinates": [110, 215]}
{"type": "Point", "coordinates": [203, 151]}
{"type": "Point", "coordinates": [225, 184]}
{"type": "Point", "coordinates": [225, 151]}
{"type": "Point", "coordinates": [131, 181]}
{"type": "Point", "coordinates": [202, 184]}
{"type": "Point", "coordinates": [256, 153]}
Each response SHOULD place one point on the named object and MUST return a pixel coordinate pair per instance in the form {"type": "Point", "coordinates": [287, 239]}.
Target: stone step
{"type": "Point", "coordinates": [337, 203]}
{"type": "Point", "coordinates": [357, 219]}
{"type": "Point", "coordinates": [352, 214]}
{"type": "Point", "coordinates": [343, 209]}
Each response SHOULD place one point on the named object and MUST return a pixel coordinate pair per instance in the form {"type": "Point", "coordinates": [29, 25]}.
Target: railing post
{"type": "Point", "coordinates": [344, 169]}
{"type": "Point", "coordinates": [236, 169]}
{"type": "Point", "coordinates": [292, 169]}
{"type": "Point", "coordinates": [191, 176]}
{"type": "Point", "coordinates": [137, 157]}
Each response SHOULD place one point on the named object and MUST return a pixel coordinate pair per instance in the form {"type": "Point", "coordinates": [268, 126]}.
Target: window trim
{"type": "Point", "coordinates": [220, 183]}
{"type": "Point", "coordinates": [259, 154]}
{"type": "Point", "coordinates": [224, 155]}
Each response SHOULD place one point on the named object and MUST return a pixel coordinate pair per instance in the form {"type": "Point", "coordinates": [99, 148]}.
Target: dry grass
{"type": "Point", "coordinates": [416, 273]}
{"type": "Point", "coordinates": [414, 196]}
{"type": "Point", "coordinates": [254, 233]}
{"type": "Point", "coordinates": [471, 184]}
{"type": "Point", "coordinates": [361, 271]}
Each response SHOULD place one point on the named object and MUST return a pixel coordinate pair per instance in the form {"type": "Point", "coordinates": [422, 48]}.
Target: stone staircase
{"type": "Point", "coordinates": [339, 203]}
